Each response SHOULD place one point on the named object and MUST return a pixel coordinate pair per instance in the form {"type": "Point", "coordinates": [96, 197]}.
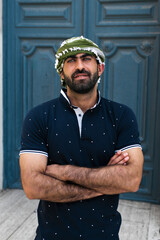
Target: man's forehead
{"type": "Point", "coordinates": [80, 55]}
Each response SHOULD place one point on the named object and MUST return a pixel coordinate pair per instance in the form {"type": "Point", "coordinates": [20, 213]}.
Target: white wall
{"type": "Point", "coordinates": [1, 105]}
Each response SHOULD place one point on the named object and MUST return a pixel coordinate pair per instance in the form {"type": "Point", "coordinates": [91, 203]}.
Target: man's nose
{"type": "Point", "coordinates": [79, 64]}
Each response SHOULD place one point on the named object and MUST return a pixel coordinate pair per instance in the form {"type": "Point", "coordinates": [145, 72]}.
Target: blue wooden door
{"type": "Point", "coordinates": [127, 31]}
{"type": "Point", "coordinates": [34, 30]}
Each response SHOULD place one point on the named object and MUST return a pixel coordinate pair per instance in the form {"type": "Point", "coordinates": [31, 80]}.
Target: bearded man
{"type": "Point", "coordinates": [79, 152]}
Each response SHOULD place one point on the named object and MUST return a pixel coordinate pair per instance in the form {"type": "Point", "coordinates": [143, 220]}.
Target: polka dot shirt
{"type": "Point", "coordinates": [66, 135]}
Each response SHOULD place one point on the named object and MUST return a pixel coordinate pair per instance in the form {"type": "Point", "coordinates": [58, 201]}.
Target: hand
{"type": "Point", "coordinates": [120, 158]}
{"type": "Point", "coordinates": [56, 171]}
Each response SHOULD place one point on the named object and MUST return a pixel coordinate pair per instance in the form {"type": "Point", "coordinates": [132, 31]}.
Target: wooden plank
{"type": "Point", "coordinates": [135, 211]}
{"type": "Point", "coordinates": [15, 209]}
{"type": "Point", "coordinates": [133, 230]}
{"type": "Point", "coordinates": [154, 224]}
{"type": "Point", "coordinates": [135, 220]}
{"type": "Point", "coordinates": [27, 229]}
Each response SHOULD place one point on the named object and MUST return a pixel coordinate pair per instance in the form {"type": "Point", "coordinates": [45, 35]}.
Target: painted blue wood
{"type": "Point", "coordinates": [127, 31]}
{"type": "Point", "coordinates": [34, 30]}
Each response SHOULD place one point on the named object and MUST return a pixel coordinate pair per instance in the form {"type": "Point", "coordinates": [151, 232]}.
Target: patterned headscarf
{"type": "Point", "coordinates": [75, 46]}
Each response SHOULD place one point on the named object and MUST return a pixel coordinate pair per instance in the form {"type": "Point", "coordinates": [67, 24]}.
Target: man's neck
{"type": "Point", "coordinates": [83, 101]}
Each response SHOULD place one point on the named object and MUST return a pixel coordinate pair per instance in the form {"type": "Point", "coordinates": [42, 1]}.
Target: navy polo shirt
{"type": "Point", "coordinates": [53, 129]}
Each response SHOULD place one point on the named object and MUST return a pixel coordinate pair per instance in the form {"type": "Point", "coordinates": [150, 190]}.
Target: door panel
{"type": "Point", "coordinates": [45, 13]}
{"type": "Point", "coordinates": [129, 77]}
{"type": "Point", "coordinates": [127, 12]}
{"type": "Point", "coordinates": [41, 81]}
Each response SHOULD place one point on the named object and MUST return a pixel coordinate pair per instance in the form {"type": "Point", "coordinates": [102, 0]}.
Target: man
{"type": "Point", "coordinates": [79, 152]}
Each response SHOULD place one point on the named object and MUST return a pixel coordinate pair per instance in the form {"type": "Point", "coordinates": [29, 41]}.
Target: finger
{"type": "Point", "coordinates": [118, 159]}
{"type": "Point", "coordinates": [124, 161]}
{"type": "Point", "coordinates": [116, 155]}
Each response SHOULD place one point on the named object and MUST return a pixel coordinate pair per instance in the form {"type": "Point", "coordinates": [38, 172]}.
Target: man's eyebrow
{"type": "Point", "coordinates": [84, 55]}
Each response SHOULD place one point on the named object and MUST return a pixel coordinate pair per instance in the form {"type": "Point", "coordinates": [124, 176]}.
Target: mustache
{"type": "Point", "coordinates": [80, 71]}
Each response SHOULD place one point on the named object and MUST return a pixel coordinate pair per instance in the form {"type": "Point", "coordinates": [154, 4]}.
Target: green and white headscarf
{"type": "Point", "coordinates": [75, 46]}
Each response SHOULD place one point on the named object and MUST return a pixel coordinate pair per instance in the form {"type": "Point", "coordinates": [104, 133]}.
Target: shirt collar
{"type": "Point", "coordinates": [64, 94]}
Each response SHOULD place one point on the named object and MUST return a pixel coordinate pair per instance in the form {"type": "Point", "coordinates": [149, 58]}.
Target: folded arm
{"type": "Point", "coordinates": [39, 182]}
{"type": "Point", "coordinates": [111, 179]}
{"type": "Point", "coordinates": [37, 185]}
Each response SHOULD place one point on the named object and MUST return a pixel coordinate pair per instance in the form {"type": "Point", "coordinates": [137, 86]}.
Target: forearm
{"type": "Point", "coordinates": [107, 180]}
{"type": "Point", "coordinates": [112, 179]}
{"type": "Point", "coordinates": [50, 189]}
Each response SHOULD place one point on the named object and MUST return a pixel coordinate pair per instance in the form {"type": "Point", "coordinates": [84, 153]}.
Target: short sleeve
{"type": "Point", "coordinates": [127, 134]}
{"type": "Point", "coordinates": [34, 133]}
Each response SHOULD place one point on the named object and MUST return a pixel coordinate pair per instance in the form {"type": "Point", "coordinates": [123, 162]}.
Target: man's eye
{"type": "Point", "coordinates": [71, 60]}
{"type": "Point", "coordinates": [87, 58]}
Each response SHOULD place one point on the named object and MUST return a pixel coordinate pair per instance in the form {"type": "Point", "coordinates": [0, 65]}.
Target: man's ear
{"type": "Point", "coordinates": [62, 76]}
{"type": "Point", "coordinates": [100, 69]}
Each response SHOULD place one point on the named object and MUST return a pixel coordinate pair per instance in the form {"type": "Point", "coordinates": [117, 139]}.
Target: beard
{"type": "Point", "coordinates": [82, 85]}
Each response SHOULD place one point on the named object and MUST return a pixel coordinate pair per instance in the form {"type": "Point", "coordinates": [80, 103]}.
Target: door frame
{"type": "Point", "coordinates": [1, 97]}
{"type": "Point", "coordinates": [4, 89]}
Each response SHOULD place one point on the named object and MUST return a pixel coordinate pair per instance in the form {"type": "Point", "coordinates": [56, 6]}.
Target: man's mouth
{"type": "Point", "coordinates": [81, 76]}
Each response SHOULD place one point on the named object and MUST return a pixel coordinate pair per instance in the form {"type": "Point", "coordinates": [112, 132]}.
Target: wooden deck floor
{"type": "Point", "coordinates": [18, 220]}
